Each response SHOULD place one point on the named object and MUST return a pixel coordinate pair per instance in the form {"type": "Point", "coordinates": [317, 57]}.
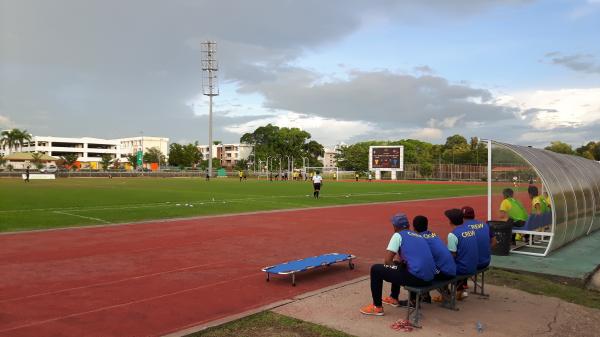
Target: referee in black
{"type": "Point", "coordinates": [317, 182]}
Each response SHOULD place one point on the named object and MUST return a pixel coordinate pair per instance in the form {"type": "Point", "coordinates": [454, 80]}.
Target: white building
{"type": "Point", "coordinates": [328, 159]}
{"type": "Point", "coordinates": [89, 151]}
{"type": "Point", "coordinates": [229, 154]}
{"type": "Point", "coordinates": [142, 143]}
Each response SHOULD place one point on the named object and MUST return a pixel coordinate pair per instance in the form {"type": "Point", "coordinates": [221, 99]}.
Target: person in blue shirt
{"type": "Point", "coordinates": [416, 268]}
{"type": "Point", "coordinates": [485, 237]}
{"type": "Point", "coordinates": [444, 261]}
{"type": "Point", "coordinates": [462, 243]}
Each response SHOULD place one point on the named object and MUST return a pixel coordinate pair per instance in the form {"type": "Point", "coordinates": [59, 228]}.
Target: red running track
{"type": "Point", "coordinates": [155, 278]}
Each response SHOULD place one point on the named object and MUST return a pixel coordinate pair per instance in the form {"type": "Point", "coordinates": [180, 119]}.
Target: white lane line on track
{"type": "Point", "coordinates": [111, 282]}
{"type": "Point", "coordinates": [83, 216]}
{"type": "Point", "coordinates": [147, 299]}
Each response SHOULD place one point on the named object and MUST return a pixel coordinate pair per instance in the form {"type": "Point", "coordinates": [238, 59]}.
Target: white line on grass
{"type": "Point", "coordinates": [83, 216]}
{"type": "Point", "coordinates": [207, 202]}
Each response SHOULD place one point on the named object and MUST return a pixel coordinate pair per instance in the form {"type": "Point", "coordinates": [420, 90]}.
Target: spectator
{"type": "Point", "coordinates": [462, 243]}
{"type": "Point", "coordinates": [485, 237]}
{"type": "Point", "coordinates": [417, 267]}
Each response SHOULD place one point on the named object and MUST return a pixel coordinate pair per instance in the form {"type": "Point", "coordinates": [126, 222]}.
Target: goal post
{"type": "Point", "coordinates": [326, 172]}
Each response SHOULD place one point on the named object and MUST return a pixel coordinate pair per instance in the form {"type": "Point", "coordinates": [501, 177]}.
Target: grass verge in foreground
{"type": "Point", "coordinates": [542, 286]}
{"type": "Point", "coordinates": [269, 324]}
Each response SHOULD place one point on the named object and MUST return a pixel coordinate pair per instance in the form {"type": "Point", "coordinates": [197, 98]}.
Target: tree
{"type": "Point", "coordinates": [425, 169]}
{"type": "Point", "coordinates": [14, 139]}
{"type": "Point", "coordinates": [132, 159]}
{"type": "Point", "coordinates": [153, 155]}
{"type": "Point", "coordinates": [241, 164]}
{"type": "Point", "coordinates": [117, 164]}
{"type": "Point", "coordinates": [588, 151]}
{"type": "Point", "coordinates": [70, 159]}
{"type": "Point", "coordinates": [560, 147]}
{"type": "Point", "coordinates": [184, 155]}
{"type": "Point", "coordinates": [36, 159]}
{"type": "Point", "coordinates": [105, 161]}
{"type": "Point", "coordinates": [2, 160]}
{"type": "Point", "coordinates": [271, 141]}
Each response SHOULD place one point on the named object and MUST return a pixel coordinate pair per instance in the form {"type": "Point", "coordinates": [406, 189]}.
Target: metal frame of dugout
{"type": "Point", "coordinates": [573, 185]}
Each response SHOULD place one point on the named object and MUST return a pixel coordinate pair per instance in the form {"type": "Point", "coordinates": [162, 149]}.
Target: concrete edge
{"type": "Point", "coordinates": [201, 217]}
{"type": "Point", "coordinates": [228, 319]}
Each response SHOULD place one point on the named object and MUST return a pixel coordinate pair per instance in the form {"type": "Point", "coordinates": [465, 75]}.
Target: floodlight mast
{"type": "Point", "coordinates": [210, 88]}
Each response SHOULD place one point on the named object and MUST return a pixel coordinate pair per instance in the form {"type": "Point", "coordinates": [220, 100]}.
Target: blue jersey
{"type": "Point", "coordinates": [444, 262]}
{"type": "Point", "coordinates": [415, 251]}
{"type": "Point", "coordinates": [482, 233]}
{"type": "Point", "coordinates": [467, 252]}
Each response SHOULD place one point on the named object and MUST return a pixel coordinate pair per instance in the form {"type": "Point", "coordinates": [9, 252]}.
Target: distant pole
{"type": "Point", "coordinates": [210, 88]}
{"type": "Point", "coordinates": [489, 179]}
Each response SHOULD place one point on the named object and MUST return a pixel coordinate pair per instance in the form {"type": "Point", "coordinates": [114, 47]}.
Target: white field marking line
{"type": "Point", "coordinates": [224, 215]}
{"type": "Point", "coordinates": [83, 216]}
{"type": "Point", "coordinates": [130, 302]}
{"type": "Point", "coordinates": [217, 201]}
{"type": "Point", "coordinates": [111, 282]}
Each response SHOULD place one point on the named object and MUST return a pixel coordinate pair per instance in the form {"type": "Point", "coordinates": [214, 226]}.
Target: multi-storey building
{"type": "Point", "coordinates": [228, 154]}
{"type": "Point", "coordinates": [89, 151]}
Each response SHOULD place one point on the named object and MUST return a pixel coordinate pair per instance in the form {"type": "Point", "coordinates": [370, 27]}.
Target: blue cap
{"type": "Point", "coordinates": [399, 220]}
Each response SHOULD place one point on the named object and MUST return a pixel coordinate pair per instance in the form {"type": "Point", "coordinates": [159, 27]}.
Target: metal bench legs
{"type": "Point", "coordinates": [479, 285]}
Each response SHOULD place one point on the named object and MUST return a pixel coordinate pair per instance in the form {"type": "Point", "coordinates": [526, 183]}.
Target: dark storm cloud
{"type": "Point", "coordinates": [114, 68]}
{"type": "Point", "coordinates": [382, 97]}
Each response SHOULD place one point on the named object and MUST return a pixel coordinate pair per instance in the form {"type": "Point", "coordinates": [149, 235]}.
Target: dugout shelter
{"type": "Point", "coordinates": [573, 186]}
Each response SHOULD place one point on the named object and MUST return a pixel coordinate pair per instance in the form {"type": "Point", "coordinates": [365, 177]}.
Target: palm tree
{"type": "Point", "coordinates": [11, 138]}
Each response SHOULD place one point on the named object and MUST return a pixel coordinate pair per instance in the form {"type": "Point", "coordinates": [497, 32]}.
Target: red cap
{"type": "Point", "coordinates": [468, 212]}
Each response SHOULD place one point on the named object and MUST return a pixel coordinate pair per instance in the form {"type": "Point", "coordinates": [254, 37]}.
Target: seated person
{"type": "Point", "coordinates": [417, 267]}
{"type": "Point", "coordinates": [538, 203]}
{"type": "Point", "coordinates": [444, 261]}
{"type": "Point", "coordinates": [462, 243]}
{"type": "Point", "coordinates": [445, 267]}
{"type": "Point", "coordinates": [485, 237]}
{"type": "Point", "coordinates": [513, 212]}
{"type": "Point", "coordinates": [548, 201]}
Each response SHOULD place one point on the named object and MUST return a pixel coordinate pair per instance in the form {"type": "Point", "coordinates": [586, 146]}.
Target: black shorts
{"type": "Point", "coordinates": [317, 186]}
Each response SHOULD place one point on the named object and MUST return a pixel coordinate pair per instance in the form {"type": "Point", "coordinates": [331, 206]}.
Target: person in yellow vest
{"type": "Point", "coordinates": [512, 211]}
{"type": "Point", "coordinates": [356, 176]}
{"type": "Point", "coordinates": [548, 201]}
{"type": "Point", "coordinates": [538, 203]}
{"type": "Point", "coordinates": [334, 176]}
{"type": "Point", "coordinates": [241, 173]}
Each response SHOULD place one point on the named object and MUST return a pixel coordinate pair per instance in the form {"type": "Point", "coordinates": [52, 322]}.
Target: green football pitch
{"type": "Point", "coordinates": [95, 201]}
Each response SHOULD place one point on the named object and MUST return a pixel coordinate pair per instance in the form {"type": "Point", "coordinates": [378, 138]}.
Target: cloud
{"type": "Point", "coordinates": [427, 134]}
{"type": "Point", "coordinates": [326, 130]}
{"type": "Point", "coordinates": [381, 97]}
{"type": "Point", "coordinates": [6, 123]}
{"type": "Point", "coordinates": [585, 63]}
{"type": "Point", "coordinates": [554, 109]}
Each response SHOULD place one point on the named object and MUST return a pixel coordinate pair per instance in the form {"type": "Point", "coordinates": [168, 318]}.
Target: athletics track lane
{"type": "Point", "coordinates": [154, 278]}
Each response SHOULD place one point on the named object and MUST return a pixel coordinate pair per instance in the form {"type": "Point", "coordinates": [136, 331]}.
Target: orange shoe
{"type": "Point", "coordinates": [391, 301]}
{"type": "Point", "coordinates": [372, 310]}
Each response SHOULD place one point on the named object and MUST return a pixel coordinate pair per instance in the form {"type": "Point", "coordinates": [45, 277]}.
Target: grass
{"type": "Point", "coordinates": [542, 286]}
{"type": "Point", "coordinates": [92, 201]}
{"type": "Point", "coordinates": [269, 324]}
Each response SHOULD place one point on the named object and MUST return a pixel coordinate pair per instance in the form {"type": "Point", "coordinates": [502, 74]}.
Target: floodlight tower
{"type": "Point", "coordinates": [210, 88]}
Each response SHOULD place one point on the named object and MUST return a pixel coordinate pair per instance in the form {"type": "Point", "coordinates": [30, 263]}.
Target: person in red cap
{"type": "Point", "coordinates": [485, 237]}
{"type": "Point", "coordinates": [417, 266]}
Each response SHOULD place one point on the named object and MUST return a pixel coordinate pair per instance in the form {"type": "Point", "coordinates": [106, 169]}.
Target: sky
{"type": "Point", "coordinates": [520, 71]}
